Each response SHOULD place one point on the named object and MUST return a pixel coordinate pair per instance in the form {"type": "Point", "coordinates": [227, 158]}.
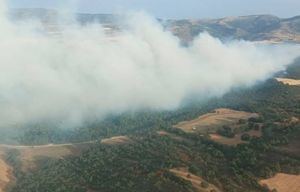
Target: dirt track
{"type": "Point", "coordinates": [43, 146]}
{"type": "Point", "coordinates": [112, 140]}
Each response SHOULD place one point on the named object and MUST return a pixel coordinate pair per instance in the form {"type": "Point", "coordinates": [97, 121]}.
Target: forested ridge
{"type": "Point", "coordinates": [144, 163]}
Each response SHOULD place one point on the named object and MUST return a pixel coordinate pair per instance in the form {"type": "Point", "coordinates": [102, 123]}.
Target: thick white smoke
{"type": "Point", "coordinates": [84, 73]}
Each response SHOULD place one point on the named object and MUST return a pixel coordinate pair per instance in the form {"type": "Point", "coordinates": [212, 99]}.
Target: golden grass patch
{"type": "Point", "coordinates": [286, 81]}
{"type": "Point", "coordinates": [283, 183]}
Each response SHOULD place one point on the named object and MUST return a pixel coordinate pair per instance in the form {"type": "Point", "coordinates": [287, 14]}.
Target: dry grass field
{"type": "Point", "coordinates": [194, 179]}
{"type": "Point", "coordinates": [210, 122]}
{"type": "Point", "coordinates": [29, 155]}
{"type": "Point", "coordinates": [5, 175]}
{"type": "Point", "coordinates": [235, 140]}
{"type": "Point", "coordinates": [283, 183]}
{"type": "Point", "coordinates": [294, 82]}
{"type": "Point", "coordinates": [116, 140]}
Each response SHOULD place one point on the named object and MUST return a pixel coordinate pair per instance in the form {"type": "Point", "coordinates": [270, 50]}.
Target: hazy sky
{"type": "Point", "coordinates": [174, 8]}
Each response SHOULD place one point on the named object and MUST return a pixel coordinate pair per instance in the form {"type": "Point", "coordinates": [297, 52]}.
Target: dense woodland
{"type": "Point", "coordinates": [143, 164]}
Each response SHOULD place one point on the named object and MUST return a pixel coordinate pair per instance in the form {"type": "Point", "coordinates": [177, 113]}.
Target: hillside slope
{"type": "Point", "coordinates": [252, 28]}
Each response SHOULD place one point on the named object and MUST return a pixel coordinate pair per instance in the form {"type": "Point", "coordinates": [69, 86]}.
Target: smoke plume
{"type": "Point", "coordinates": [84, 73]}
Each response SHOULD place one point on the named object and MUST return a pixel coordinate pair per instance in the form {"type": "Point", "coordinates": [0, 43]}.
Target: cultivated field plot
{"type": "Point", "coordinates": [283, 183]}
{"type": "Point", "coordinates": [286, 81]}
{"type": "Point", "coordinates": [210, 122]}
{"type": "Point", "coordinates": [195, 180]}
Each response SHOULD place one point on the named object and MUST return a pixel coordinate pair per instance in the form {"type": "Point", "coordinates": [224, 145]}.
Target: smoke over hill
{"type": "Point", "coordinates": [85, 73]}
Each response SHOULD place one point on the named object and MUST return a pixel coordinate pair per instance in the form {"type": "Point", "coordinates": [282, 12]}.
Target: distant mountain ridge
{"type": "Point", "coordinates": [252, 28]}
{"type": "Point", "coordinates": [52, 16]}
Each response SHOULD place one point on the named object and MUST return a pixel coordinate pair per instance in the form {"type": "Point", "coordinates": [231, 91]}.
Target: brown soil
{"type": "Point", "coordinates": [194, 179]}
{"type": "Point", "coordinates": [210, 122]}
{"type": "Point", "coordinates": [283, 183]}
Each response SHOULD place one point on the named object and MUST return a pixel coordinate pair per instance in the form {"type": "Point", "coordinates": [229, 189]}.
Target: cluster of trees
{"type": "Point", "coordinates": [226, 131]}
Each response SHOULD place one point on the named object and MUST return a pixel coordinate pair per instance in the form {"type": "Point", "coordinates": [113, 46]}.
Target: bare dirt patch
{"type": "Point", "coordinates": [236, 139]}
{"type": "Point", "coordinates": [283, 183]}
{"type": "Point", "coordinates": [286, 81]}
{"type": "Point", "coordinates": [194, 179]}
{"type": "Point", "coordinates": [210, 122]}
